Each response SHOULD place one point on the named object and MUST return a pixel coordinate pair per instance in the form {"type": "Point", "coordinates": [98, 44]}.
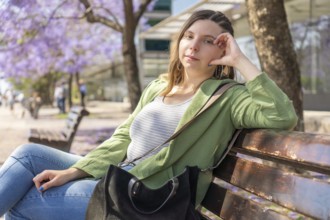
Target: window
{"type": "Point", "coordinates": [163, 5]}
{"type": "Point", "coordinates": [157, 45]}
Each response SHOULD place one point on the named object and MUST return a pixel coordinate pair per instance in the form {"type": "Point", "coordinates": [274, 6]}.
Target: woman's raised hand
{"type": "Point", "coordinates": [233, 56]}
{"type": "Point", "coordinates": [231, 52]}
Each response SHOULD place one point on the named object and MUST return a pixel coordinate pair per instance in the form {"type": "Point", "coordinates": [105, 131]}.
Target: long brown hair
{"type": "Point", "coordinates": [176, 70]}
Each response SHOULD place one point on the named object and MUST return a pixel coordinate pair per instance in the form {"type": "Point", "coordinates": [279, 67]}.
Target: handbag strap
{"type": "Point", "coordinates": [133, 188]}
{"type": "Point", "coordinates": [230, 145]}
{"type": "Point", "coordinates": [216, 95]}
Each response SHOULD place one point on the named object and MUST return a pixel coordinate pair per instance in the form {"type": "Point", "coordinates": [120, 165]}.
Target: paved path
{"type": "Point", "coordinates": [317, 121]}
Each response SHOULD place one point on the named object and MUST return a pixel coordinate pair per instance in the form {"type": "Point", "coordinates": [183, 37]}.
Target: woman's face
{"type": "Point", "coordinates": [196, 48]}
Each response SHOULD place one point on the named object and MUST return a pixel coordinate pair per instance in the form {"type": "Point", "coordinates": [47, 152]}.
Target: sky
{"type": "Point", "coordinates": [180, 5]}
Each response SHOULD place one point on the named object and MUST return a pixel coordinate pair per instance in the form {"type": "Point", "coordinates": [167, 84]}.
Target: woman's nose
{"type": "Point", "coordinates": [194, 45]}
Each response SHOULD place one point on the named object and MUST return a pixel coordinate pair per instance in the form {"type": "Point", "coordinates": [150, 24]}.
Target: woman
{"type": "Point", "coordinates": [49, 184]}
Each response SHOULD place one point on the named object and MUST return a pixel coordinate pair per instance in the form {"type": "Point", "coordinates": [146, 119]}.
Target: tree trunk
{"type": "Point", "coordinates": [269, 26]}
{"type": "Point", "coordinates": [82, 100]}
{"type": "Point", "coordinates": [131, 73]}
{"type": "Point", "coordinates": [132, 18]}
{"type": "Point", "coordinates": [130, 60]}
{"type": "Point", "coordinates": [69, 95]}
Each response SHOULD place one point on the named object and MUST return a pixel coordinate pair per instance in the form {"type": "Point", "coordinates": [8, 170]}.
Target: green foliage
{"type": "Point", "coordinates": [61, 116]}
{"type": "Point", "coordinates": [44, 85]}
{"type": "Point", "coordinates": [75, 94]}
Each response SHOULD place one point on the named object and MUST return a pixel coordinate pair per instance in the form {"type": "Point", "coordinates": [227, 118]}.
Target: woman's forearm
{"type": "Point", "coordinates": [246, 68]}
{"type": "Point", "coordinates": [77, 173]}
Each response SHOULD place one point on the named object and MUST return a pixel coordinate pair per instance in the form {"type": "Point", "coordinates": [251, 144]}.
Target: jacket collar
{"type": "Point", "coordinates": [201, 97]}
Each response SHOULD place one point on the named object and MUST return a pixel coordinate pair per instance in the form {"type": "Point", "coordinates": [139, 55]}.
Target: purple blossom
{"type": "Point", "coordinates": [39, 37]}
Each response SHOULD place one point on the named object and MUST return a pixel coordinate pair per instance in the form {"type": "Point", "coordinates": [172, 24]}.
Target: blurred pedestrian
{"type": "Point", "coordinates": [10, 98]}
{"type": "Point", "coordinates": [60, 96]}
{"type": "Point", "coordinates": [35, 103]}
{"type": "Point", "coordinates": [21, 98]}
{"type": "Point", "coordinates": [83, 92]}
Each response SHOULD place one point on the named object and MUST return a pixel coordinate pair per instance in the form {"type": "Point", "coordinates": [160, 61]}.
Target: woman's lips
{"type": "Point", "coordinates": [190, 57]}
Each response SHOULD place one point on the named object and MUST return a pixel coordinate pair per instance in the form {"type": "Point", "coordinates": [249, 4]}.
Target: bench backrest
{"type": "Point", "coordinates": [273, 175]}
{"type": "Point", "coordinates": [72, 122]}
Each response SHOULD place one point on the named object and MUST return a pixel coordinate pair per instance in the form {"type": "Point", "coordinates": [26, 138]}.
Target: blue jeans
{"type": "Point", "coordinates": [61, 104]}
{"type": "Point", "coordinates": [20, 199]}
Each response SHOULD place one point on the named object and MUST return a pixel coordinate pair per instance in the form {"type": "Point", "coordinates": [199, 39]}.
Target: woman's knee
{"type": "Point", "coordinates": [27, 149]}
{"type": "Point", "coordinates": [43, 157]}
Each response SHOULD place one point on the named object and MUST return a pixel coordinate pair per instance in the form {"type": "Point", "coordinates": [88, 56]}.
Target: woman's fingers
{"type": "Point", "coordinates": [221, 40]}
{"type": "Point", "coordinates": [50, 178]}
{"type": "Point", "coordinates": [229, 50]}
{"type": "Point", "coordinates": [40, 179]}
{"type": "Point", "coordinates": [46, 179]}
{"type": "Point", "coordinates": [48, 185]}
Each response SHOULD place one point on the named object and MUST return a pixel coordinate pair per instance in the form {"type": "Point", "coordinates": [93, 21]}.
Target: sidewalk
{"type": "Point", "coordinates": [317, 121]}
{"type": "Point", "coordinates": [103, 119]}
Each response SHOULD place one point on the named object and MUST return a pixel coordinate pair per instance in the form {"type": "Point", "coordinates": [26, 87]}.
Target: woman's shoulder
{"type": "Point", "coordinates": [156, 84]}
{"type": "Point", "coordinates": [154, 87]}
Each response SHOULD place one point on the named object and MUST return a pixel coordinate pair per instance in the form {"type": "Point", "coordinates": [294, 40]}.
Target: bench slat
{"type": "Point", "coordinates": [43, 135]}
{"type": "Point", "coordinates": [67, 133]}
{"type": "Point", "coordinates": [55, 135]}
{"type": "Point", "coordinates": [305, 148]}
{"type": "Point", "coordinates": [282, 185]}
{"type": "Point", "coordinates": [79, 110]}
{"type": "Point", "coordinates": [34, 133]}
{"type": "Point", "coordinates": [234, 203]}
{"type": "Point", "coordinates": [71, 124]}
{"type": "Point", "coordinates": [40, 134]}
{"type": "Point", "coordinates": [73, 117]}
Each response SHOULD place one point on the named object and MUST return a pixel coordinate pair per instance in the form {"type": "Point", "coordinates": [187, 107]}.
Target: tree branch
{"type": "Point", "coordinates": [68, 17]}
{"type": "Point", "coordinates": [112, 15]}
{"type": "Point", "coordinates": [92, 18]}
{"type": "Point", "coordinates": [143, 6]}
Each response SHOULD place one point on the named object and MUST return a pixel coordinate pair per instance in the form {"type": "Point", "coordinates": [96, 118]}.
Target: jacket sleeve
{"type": "Point", "coordinates": [113, 150]}
{"type": "Point", "coordinates": [262, 104]}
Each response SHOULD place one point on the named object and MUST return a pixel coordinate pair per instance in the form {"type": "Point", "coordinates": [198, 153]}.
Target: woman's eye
{"type": "Point", "coordinates": [208, 41]}
{"type": "Point", "coordinates": [188, 36]}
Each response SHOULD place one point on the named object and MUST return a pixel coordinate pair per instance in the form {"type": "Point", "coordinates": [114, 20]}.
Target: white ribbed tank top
{"type": "Point", "coordinates": [153, 125]}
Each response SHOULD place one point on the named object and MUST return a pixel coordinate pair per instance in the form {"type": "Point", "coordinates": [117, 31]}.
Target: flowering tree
{"type": "Point", "coordinates": [133, 11]}
{"type": "Point", "coordinates": [40, 37]}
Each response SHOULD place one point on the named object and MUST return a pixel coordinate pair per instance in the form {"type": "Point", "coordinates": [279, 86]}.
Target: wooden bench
{"type": "Point", "coordinates": [60, 139]}
{"type": "Point", "coordinates": [272, 175]}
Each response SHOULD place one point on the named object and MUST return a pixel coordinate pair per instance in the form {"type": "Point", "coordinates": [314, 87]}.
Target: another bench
{"type": "Point", "coordinates": [273, 175]}
{"type": "Point", "coordinates": [60, 139]}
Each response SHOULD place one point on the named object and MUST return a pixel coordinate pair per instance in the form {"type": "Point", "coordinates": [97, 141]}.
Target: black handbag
{"type": "Point", "coordinates": [119, 195]}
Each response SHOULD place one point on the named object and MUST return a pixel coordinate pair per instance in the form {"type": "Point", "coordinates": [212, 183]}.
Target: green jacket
{"type": "Point", "coordinates": [259, 104]}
